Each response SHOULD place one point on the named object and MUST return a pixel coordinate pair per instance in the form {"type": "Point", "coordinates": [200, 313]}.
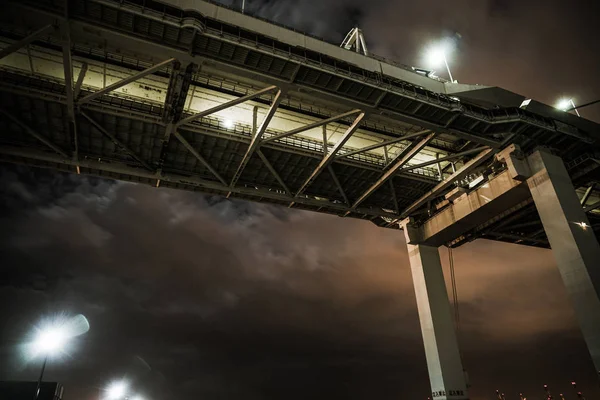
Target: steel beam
{"type": "Point", "coordinates": [439, 160]}
{"type": "Point", "coordinates": [179, 84]}
{"type": "Point", "coordinates": [121, 168]}
{"type": "Point", "coordinates": [592, 207]}
{"type": "Point", "coordinates": [198, 156]}
{"type": "Point", "coordinates": [273, 172]}
{"type": "Point", "coordinates": [394, 168]}
{"type": "Point", "coordinates": [116, 141]}
{"type": "Point", "coordinates": [125, 81]}
{"type": "Point", "coordinates": [517, 238]}
{"type": "Point", "coordinates": [226, 105]}
{"type": "Point", "coordinates": [587, 193]}
{"type": "Point", "coordinates": [25, 41]}
{"type": "Point", "coordinates": [256, 139]}
{"type": "Point", "coordinates": [79, 83]}
{"type": "Point", "coordinates": [382, 144]}
{"type": "Point", "coordinates": [394, 196]}
{"type": "Point", "coordinates": [439, 188]}
{"type": "Point", "coordinates": [311, 126]}
{"type": "Point", "coordinates": [330, 156]}
{"type": "Point", "coordinates": [33, 133]}
{"type": "Point", "coordinates": [65, 33]}
{"type": "Point", "coordinates": [338, 184]}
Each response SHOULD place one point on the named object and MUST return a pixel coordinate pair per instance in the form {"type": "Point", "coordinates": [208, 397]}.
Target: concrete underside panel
{"type": "Point", "coordinates": [573, 242]}
{"type": "Point", "coordinates": [471, 210]}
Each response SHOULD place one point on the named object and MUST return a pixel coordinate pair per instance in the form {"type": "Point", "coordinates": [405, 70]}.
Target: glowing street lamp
{"type": "Point", "coordinates": [437, 55]}
{"type": "Point", "coordinates": [116, 390]}
{"type": "Point", "coordinates": [567, 105]}
{"type": "Point", "coordinates": [51, 338]}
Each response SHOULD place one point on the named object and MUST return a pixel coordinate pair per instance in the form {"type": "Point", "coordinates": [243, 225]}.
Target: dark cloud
{"type": "Point", "coordinates": [194, 296]}
{"type": "Point", "coordinates": [190, 295]}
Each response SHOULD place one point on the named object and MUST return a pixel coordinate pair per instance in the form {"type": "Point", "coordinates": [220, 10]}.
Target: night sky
{"type": "Point", "coordinates": [199, 297]}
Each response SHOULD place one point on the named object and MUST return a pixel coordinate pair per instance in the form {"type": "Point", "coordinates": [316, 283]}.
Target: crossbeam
{"type": "Point", "coordinates": [125, 81]}
{"type": "Point", "coordinates": [79, 83]}
{"type": "Point", "coordinates": [65, 32]}
{"type": "Point", "coordinates": [116, 141]}
{"type": "Point", "coordinates": [587, 194]}
{"type": "Point", "coordinates": [199, 157]}
{"type": "Point", "coordinates": [331, 155]}
{"type": "Point", "coordinates": [313, 125]}
{"type": "Point", "coordinates": [228, 104]}
{"type": "Point", "coordinates": [256, 138]}
{"type": "Point", "coordinates": [394, 168]}
{"type": "Point", "coordinates": [273, 171]}
{"type": "Point", "coordinates": [438, 160]}
{"type": "Point", "coordinates": [440, 187]}
{"type": "Point", "coordinates": [121, 168]}
{"type": "Point", "coordinates": [25, 41]}
{"type": "Point", "coordinates": [33, 133]}
{"type": "Point", "coordinates": [382, 144]}
{"type": "Point", "coordinates": [338, 184]}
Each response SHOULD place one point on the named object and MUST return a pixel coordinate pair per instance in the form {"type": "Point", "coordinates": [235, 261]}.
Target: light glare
{"type": "Point", "coordinates": [436, 56]}
{"type": "Point", "coordinates": [583, 225]}
{"type": "Point", "coordinates": [228, 124]}
{"type": "Point", "coordinates": [116, 390]}
{"type": "Point", "coordinates": [564, 104]}
{"type": "Point", "coordinates": [51, 340]}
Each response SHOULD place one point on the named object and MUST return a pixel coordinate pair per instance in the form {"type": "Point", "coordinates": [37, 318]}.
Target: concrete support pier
{"type": "Point", "coordinates": [573, 242]}
{"type": "Point", "coordinates": [441, 346]}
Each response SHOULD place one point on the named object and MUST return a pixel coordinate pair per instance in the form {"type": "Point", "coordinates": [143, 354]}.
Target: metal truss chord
{"type": "Point", "coordinates": [394, 168]}
{"type": "Point", "coordinates": [179, 84]}
{"type": "Point", "coordinates": [316, 124]}
{"type": "Point", "coordinates": [273, 172]}
{"type": "Point", "coordinates": [394, 196]}
{"type": "Point", "coordinates": [198, 156]}
{"type": "Point", "coordinates": [116, 141]}
{"type": "Point", "coordinates": [328, 159]}
{"type": "Point", "coordinates": [439, 160]}
{"type": "Point", "coordinates": [445, 184]}
{"type": "Point", "coordinates": [26, 40]}
{"type": "Point", "coordinates": [337, 184]}
{"type": "Point", "coordinates": [33, 133]}
{"type": "Point", "coordinates": [120, 168]}
{"type": "Point", "coordinates": [65, 33]}
{"type": "Point", "coordinates": [587, 194]}
{"type": "Point", "coordinates": [256, 138]}
{"type": "Point", "coordinates": [226, 105]}
{"type": "Point", "coordinates": [383, 144]}
{"type": "Point", "coordinates": [125, 81]}
{"type": "Point", "coordinates": [80, 78]}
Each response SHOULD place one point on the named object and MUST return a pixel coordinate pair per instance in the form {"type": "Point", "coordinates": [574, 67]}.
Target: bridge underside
{"type": "Point", "coordinates": [228, 111]}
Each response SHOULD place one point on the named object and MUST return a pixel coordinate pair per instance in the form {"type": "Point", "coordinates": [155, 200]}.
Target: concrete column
{"type": "Point", "coordinates": [441, 346]}
{"type": "Point", "coordinates": [573, 242]}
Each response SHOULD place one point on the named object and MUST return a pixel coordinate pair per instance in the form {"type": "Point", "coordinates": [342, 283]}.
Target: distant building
{"type": "Point", "coordinates": [19, 390]}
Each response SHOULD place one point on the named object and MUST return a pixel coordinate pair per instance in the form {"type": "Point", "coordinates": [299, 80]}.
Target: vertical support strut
{"type": "Point", "coordinates": [444, 364]}
{"type": "Point", "coordinates": [572, 240]}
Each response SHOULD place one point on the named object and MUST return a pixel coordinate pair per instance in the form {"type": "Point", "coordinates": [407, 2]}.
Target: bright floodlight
{"type": "Point", "coordinates": [437, 56]}
{"type": "Point", "coordinates": [52, 334]}
{"type": "Point", "coordinates": [567, 104]}
{"type": "Point", "coordinates": [51, 340]}
{"type": "Point", "coordinates": [564, 104]}
{"type": "Point", "coordinates": [228, 124]}
{"type": "Point", "coordinates": [116, 390]}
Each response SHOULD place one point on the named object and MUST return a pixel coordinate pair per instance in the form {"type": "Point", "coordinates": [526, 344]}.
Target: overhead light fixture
{"type": "Point", "coordinates": [228, 124]}
{"type": "Point", "coordinates": [567, 105]}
